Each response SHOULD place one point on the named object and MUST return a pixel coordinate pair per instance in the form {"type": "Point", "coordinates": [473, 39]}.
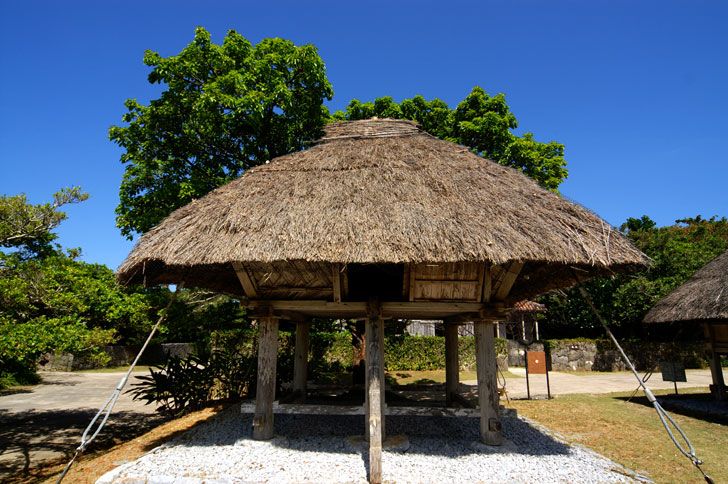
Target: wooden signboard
{"type": "Point", "coordinates": [536, 362]}
{"type": "Point", "coordinates": [672, 371]}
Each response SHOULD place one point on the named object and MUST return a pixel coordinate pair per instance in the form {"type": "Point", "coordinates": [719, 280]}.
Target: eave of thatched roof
{"type": "Point", "coordinates": [378, 191]}
{"type": "Point", "coordinates": [703, 297]}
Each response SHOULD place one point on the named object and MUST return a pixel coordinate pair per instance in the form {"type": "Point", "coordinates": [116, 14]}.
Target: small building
{"type": "Point", "coordinates": [702, 299]}
{"type": "Point", "coordinates": [379, 221]}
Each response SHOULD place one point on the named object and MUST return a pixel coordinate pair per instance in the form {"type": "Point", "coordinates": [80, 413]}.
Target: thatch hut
{"type": "Point", "coordinates": [379, 220]}
{"type": "Point", "coordinates": [702, 299]}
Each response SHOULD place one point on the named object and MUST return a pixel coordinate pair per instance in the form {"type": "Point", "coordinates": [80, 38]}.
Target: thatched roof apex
{"type": "Point", "coordinates": [703, 297]}
{"type": "Point", "coordinates": [378, 191]}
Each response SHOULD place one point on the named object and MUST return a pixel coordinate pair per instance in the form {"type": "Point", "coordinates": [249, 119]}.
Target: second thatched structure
{"type": "Point", "coordinates": [702, 299]}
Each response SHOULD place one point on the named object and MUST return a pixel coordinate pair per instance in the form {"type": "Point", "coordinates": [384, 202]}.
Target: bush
{"type": "Point", "coordinates": [407, 352]}
{"type": "Point", "coordinates": [22, 343]}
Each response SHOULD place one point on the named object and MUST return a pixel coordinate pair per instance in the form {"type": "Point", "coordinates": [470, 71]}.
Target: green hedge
{"type": "Point", "coordinates": [333, 351]}
{"type": "Point", "coordinates": [406, 352]}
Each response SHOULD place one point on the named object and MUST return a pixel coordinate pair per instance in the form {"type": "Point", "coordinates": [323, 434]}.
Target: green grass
{"type": "Point", "coordinates": [630, 433]}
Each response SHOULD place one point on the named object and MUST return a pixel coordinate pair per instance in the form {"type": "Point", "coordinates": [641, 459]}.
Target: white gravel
{"type": "Point", "coordinates": [311, 448]}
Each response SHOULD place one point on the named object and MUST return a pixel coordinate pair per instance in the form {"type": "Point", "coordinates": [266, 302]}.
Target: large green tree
{"type": "Point", "coordinates": [224, 109]}
{"type": "Point", "coordinates": [481, 122]}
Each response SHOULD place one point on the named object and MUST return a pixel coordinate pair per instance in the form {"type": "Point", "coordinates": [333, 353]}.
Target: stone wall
{"type": "Point", "coordinates": [601, 355]}
{"type": "Point", "coordinates": [517, 352]}
{"type": "Point", "coordinates": [576, 355]}
{"type": "Point", "coordinates": [119, 356]}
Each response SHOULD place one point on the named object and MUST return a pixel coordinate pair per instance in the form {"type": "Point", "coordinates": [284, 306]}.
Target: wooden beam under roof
{"type": "Point", "coordinates": [507, 279]}
{"type": "Point", "coordinates": [245, 280]}
{"type": "Point", "coordinates": [336, 280]}
{"type": "Point", "coordinates": [354, 309]}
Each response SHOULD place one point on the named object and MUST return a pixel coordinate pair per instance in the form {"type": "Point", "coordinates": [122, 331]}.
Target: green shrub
{"type": "Point", "coordinates": [407, 352]}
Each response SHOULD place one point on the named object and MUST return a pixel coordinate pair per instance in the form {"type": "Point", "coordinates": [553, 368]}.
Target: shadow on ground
{"type": "Point", "coordinates": [701, 406]}
{"type": "Point", "coordinates": [31, 439]}
{"type": "Point", "coordinates": [443, 436]}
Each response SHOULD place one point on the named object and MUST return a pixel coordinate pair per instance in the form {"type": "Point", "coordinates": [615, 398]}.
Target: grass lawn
{"type": "Point", "coordinates": [630, 433]}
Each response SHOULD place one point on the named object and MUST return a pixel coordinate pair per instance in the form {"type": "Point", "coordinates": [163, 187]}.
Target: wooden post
{"type": "Point", "coordinates": [716, 369]}
{"type": "Point", "coordinates": [375, 389]}
{"type": "Point", "coordinates": [266, 388]}
{"type": "Point", "coordinates": [300, 362]}
{"type": "Point", "coordinates": [452, 363]}
{"type": "Point", "coordinates": [485, 359]}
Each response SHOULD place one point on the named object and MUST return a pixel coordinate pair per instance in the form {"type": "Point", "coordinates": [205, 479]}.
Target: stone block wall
{"type": "Point", "coordinates": [119, 356]}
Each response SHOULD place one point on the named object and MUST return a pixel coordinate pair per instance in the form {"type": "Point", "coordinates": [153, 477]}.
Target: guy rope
{"type": "Point", "coordinates": [685, 447]}
{"type": "Point", "coordinates": [107, 407]}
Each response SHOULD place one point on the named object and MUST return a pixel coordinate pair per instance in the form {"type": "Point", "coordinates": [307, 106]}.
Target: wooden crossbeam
{"type": "Point", "coordinates": [507, 280]}
{"type": "Point", "coordinates": [452, 311]}
{"type": "Point", "coordinates": [336, 278]}
{"type": "Point", "coordinates": [245, 280]}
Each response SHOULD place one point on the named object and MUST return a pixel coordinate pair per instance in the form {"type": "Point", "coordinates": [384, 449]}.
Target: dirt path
{"type": "Point", "coordinates": [43, 424]}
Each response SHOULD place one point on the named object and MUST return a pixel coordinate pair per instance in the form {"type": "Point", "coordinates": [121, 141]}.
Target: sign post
{"type": "Point", "coordinates": [536, 364]}
{"type": "Point", "coordinates": [673, 371]}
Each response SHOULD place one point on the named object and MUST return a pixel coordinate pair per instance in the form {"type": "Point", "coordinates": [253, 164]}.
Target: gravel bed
{"type": "Point", "coordinates": [317, 448]}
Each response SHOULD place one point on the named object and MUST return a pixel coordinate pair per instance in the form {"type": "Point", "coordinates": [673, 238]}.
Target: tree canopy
{"type": "Point", "coordinates": [481, 122]}
{"type": "Point", "coordinates": [49, 300]}
{"type": "Point", "coordinates": [677, 252]}
{"type": "Point", "coordinates": [224, 109]}
{"type": "Point", "coordinates": [29, 228]}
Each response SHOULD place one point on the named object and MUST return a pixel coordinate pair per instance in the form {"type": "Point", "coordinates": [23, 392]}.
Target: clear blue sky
{"type": "Point", "coordinates": [635, 90]}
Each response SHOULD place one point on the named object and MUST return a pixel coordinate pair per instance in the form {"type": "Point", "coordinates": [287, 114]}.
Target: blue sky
{"type": "Point", "coordinates": [635, 90]}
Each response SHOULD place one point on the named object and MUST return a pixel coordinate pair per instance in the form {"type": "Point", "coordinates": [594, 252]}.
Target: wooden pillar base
{"type": "Point", "coordinates": [485, 356]}
{"type": "Point", "coordinates": [266, 387]}
{"type": "Point", "coordinates": [375, 389]}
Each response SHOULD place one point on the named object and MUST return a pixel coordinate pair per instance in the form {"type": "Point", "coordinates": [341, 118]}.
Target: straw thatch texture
{"type": "Point", "coordinates": [378, 191]}
{"type": "Point", "coordinates": [527, 306]}
{"type": "Point", "coordinates": [703, 297]}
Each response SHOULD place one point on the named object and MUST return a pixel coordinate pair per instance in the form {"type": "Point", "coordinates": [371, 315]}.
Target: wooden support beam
{"type": "Point", "coordinates": [507, 280]}
{"type": "Point", "coordinates": [375, 389]}
{"type": "Point", "coordinates": [487, 283]}
{"type": "Point", "coordinates": [266, 387]}
{"type": "Point", "coordinates": [395, 309]}
{"type": "Point", "coordinates": [336, 277]}
{"type": "Point", "coordinates": [485, 359]}
{"type": "Point", "coordinates": [716, 369]}
{"type": "Point", "coordinates": [245, 280]}
{"type": "Point", "coordinates": [452, 363]}
{"type": "Point", "coordinates": [300, 361]}
{"type": "Point", "coordinates": [412, 281]}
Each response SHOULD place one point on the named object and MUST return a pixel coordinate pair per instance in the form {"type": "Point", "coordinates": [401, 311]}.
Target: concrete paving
{"type": "Point", "coordinates": [43, 423]}
{"type": "Point", "coordinates": [593, 382]}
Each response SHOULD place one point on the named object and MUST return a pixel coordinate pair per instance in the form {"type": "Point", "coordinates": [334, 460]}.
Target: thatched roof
{"type": "Point", "coordinates": [703, 297]}
{"type": "Point", "coordinates": [378, 191]}
{"type": "Point", "coordinates": [527, 306]}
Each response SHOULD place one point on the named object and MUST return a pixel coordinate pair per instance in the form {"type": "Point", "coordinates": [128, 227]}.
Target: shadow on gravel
{"type": "Point", "coordinates": [436, 436]}
{"type": "Point", "coordinates": [33, 438]}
